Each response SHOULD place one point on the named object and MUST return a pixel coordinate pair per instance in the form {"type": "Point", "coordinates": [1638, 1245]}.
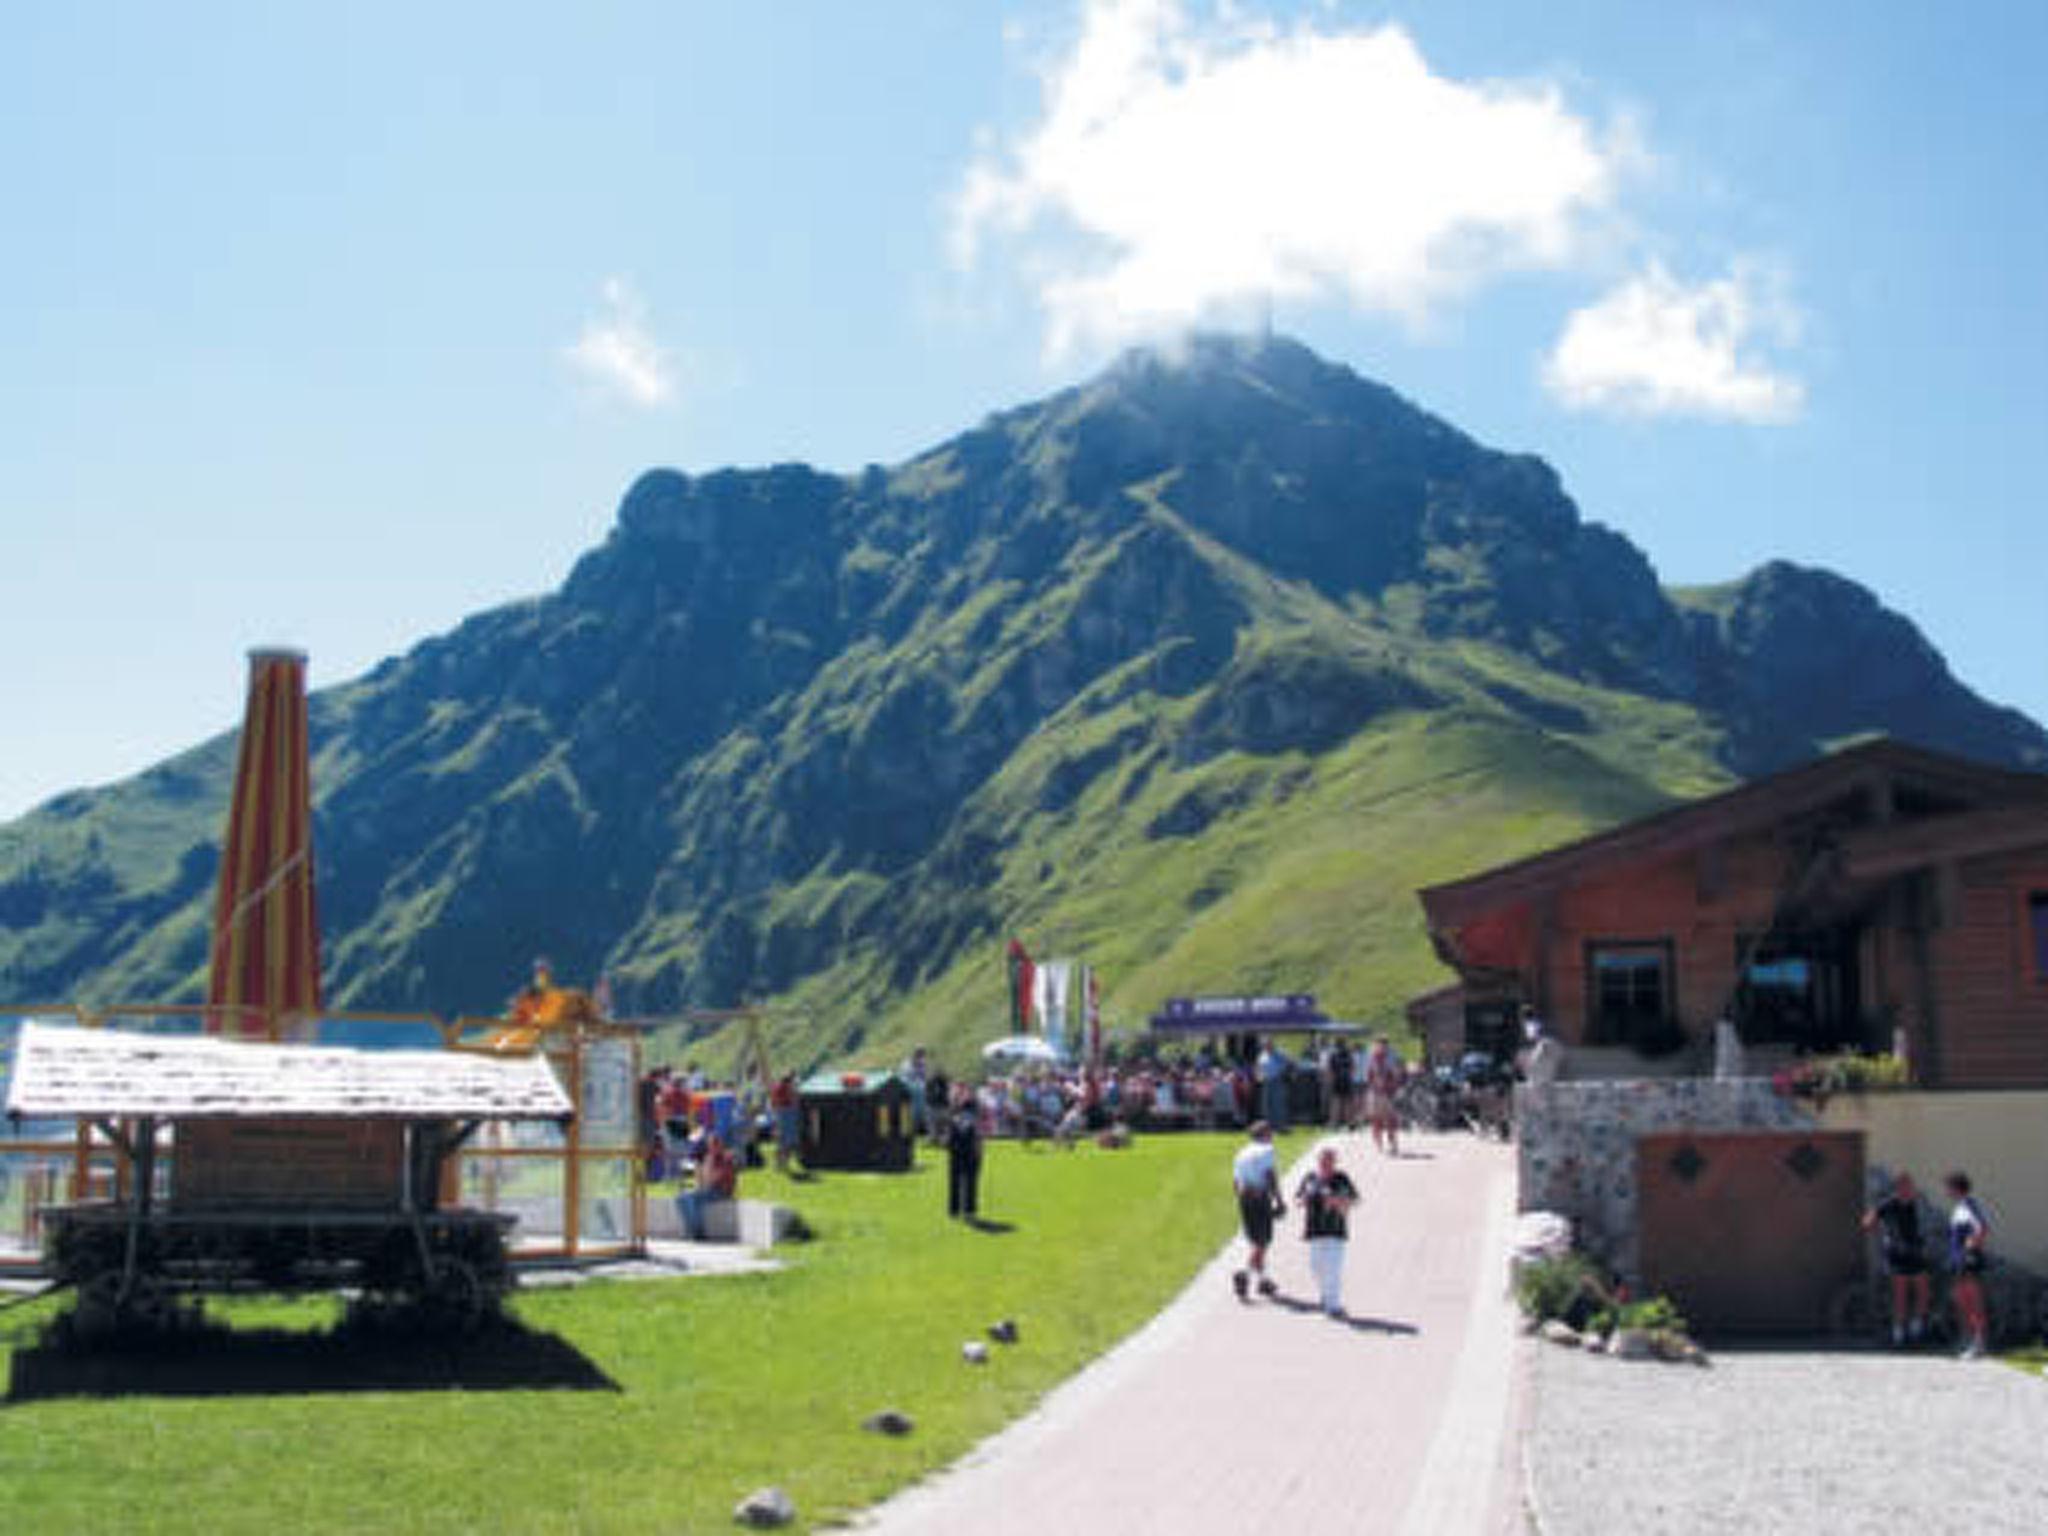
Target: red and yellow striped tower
{"type": "Point", "coordinates": [266, 931]}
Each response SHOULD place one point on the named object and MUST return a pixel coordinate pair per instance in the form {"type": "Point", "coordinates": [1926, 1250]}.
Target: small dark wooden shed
{"type": "Point", "coordinates": [858, 1120]}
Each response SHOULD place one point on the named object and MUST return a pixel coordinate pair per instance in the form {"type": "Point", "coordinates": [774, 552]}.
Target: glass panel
{"type": "Point", "coordinates": [29, 1182]}
{"type": "Point", "coordinates": [1629, 993]}
{"type": "Point", "coordinates": [527, 1187]}
{"type": "Point", "coordinates": [607, 1120]}
{"type": "Point", "coordinates": [605, 1201]}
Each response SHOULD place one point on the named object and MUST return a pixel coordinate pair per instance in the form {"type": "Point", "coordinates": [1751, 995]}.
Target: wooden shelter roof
{"type": "Point", "coordinates": [105, 1073]}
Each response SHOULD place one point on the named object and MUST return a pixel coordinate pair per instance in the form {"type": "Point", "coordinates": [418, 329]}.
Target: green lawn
{"type": "Point", "coordinates": [722, 1384]}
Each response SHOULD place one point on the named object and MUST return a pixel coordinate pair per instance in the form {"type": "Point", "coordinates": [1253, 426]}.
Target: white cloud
{"type": "Point", "coordinates": [617, 351]}
{"type": "Point", "coordinates": [1655, 347]}
{"type": "Point", "coordinates": [1184, 166]}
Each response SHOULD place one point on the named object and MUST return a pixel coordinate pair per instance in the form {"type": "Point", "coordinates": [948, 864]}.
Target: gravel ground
{"type": "Point", "coordinates": [1766, 1442]}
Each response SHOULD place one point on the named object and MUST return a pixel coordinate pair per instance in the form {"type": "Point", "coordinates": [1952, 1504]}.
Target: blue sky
{"type": "Point", "coordinates": [332, 325]}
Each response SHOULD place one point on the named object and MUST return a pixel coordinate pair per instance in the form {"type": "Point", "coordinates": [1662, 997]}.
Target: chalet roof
{"type": "Point", "coordinates": [1883, 765]}
{"type": "Point", "coordinates": [62, 1073]}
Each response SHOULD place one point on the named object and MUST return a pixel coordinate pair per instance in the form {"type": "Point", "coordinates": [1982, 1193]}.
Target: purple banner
{"type": "Point", "coordinates": [1234, 1015]}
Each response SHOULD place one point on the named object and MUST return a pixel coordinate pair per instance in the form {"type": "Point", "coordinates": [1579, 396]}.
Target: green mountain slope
{"type": "Point", "coordinates": [1196, 670]}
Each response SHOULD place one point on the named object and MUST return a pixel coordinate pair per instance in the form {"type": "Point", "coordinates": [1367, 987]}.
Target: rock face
{"type": "Point", "coordinates": [786, 728]}
{"type": "Point", "coordinates": [1792, 657]}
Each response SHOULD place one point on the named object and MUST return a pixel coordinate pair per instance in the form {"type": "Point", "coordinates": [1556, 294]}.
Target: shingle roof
{"type": "Point", "coordinates": [93, 1073]}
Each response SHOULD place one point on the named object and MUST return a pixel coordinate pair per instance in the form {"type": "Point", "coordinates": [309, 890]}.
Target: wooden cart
{"type": "Point", "coordinates": [258, 1167]}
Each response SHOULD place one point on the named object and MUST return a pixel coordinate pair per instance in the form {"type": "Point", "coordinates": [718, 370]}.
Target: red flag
{"type": "Point", "coordinates": [1021, 973]}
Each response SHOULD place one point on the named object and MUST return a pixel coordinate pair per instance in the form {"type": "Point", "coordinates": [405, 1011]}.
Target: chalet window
{"type": "Point", "coordinates": [2037, 930]}
{"type": "Point", "coordinates": [1630, 992]}
{"type": "Point", "coordinates": [1799, 989]}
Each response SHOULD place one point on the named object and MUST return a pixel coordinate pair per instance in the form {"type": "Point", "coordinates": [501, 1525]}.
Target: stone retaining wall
{"type": "Point", "coordinates": [1578, 1144]}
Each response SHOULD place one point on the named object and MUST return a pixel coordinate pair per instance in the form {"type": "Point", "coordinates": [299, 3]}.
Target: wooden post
{"type": "Point", "coordinates": [572, 1147]}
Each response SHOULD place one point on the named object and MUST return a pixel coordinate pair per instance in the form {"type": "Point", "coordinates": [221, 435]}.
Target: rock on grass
{"type": "Point", "coordinates": [765, 1508]}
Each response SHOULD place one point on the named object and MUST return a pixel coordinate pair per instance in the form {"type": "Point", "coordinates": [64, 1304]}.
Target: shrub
{"type": "Point", "coordinates": [1569, 1287]}
{"type": "Point", "coordinates": [1653, 1314]}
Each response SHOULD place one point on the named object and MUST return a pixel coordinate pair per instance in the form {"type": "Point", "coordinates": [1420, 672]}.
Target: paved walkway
{"type": "Point", "coordinates": [1225, 1417]}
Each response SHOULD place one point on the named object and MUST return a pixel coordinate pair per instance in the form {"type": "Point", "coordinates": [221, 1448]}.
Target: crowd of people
{"type": "Point", "coordinates": [702, 1133]}
{"type": "Point", "coordinates": [1335, 1083]}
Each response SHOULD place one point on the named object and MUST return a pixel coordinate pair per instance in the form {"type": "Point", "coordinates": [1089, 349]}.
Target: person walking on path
{"type": "Point", "coordinates": [1257, 1183]}
{"type": "Point", "coordinates": [1326, 1195]}
{"type": "Point", "coordinates": [1896, 1219]}
{"type": "Point", "coordinates": [963, 1156]}
{"type": "Point", "coordinates": [1382, 1082]}
{"type": "Point", "coordinates": [1967, 1231]}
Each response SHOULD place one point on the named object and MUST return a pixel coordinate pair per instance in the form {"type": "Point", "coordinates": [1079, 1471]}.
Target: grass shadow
{"type": "Point", "coordinates": [505, 1356]}
{"type": "Point", "coordinates": [985, 1224]}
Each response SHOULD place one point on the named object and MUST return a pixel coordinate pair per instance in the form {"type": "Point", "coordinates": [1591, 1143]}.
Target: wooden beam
{"type": "Point", "coordinates": [1873, 853]}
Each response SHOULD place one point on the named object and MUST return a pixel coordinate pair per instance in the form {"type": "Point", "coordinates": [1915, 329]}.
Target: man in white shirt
{"type": "Point", "coordinates": [1257, 1183]}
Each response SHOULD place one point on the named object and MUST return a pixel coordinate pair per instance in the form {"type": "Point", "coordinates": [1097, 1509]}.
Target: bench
{"type": "Point", "coordinates": [755, 1223]}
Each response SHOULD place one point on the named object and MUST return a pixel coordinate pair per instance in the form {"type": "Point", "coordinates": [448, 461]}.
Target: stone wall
{"type": "Point", "coordinates": [1578, 1144]}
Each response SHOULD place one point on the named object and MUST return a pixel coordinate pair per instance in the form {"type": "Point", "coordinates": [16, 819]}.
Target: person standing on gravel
{"type": "Point", "coordinates": [1897, 1221]}
{"type": "Point", "coordinates": [1257, 1184]}
{"type": "Point", "coordinates": [1326, 1195]}
{"type": "Point", "coordinates": [1967, 1231]}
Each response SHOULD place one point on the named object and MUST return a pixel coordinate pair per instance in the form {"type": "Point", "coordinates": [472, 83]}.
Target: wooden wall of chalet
{"type": "Point", "coordinates": [1991, 1003]}
{"type": "Point", "coordinates": [1702, 904]}
{"type": "Point", "coordinates": [1967, 994]}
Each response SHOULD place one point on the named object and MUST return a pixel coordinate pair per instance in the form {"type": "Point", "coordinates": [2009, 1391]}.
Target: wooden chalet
{"type": "Point", "coordinates": [1883, 897]}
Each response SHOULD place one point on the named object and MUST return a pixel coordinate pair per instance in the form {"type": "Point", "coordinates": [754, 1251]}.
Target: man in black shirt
{"type": "Point", "coordinates": [1896, 1219]}
{"type": "Point", "coordinates": [963, 1155]}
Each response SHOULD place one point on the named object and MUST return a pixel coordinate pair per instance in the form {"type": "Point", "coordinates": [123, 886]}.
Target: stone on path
{"type": "Point", "coordinates": [1631, 1344]}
